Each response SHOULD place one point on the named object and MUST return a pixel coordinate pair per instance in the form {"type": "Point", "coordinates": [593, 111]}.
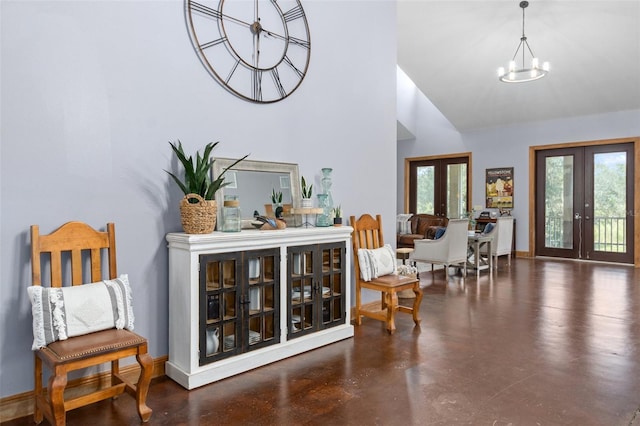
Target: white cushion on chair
{"type": "Point", "coordinates": [60, 313]}
{"type": "Point", "coordinates": [374, 263]}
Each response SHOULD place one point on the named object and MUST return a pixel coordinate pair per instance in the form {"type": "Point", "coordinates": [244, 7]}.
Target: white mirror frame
{"type": "Point", "coordinates": [220, 164]}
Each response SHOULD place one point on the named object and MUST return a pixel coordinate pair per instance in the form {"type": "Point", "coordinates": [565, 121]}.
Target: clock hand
{"type": "Point", "coordinates": [289, 39]}
{"type": "Point", "coordinates": [275, 35]}
{"type": "Point", "coordinates": [256, 29]}
{"type": "Point", "coordinates": [256, 75]}
{"type": "Point", "coordinates": [236, 20]}
{"type": "Point", "coordinates": [216, 14]}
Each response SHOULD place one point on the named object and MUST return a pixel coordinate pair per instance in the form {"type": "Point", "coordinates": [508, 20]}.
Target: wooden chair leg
{"type": "Point", "coordinates": [358, 318]}
{"type": "Point", "coordinates": [142, 388]}
{"type": "Point", "coordinates": [115, 375]}
{"type": "Point", "coordinates": [392, 306]}
{"type": "Point", "coordinates": [416, 303]}
{"type": "Point", "coordinates": [57, 383]}
{"type": "Point", "coordinates": [37, 392]}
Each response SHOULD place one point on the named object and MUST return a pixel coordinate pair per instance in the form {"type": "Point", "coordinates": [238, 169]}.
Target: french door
{"type": "Point", "coordinates": [584, 201]}
{"type": "Point", "coordinates": [439, 186]}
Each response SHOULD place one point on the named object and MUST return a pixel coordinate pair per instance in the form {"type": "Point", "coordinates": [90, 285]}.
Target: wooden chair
{"type": "Point", "coordinates": [90, 349]}
{"type": "Point", "coordinates": [367, 234]}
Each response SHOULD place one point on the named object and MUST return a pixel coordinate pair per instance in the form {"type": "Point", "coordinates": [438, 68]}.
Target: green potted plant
{"type": "Point", "coordinates": [198, 208]}
{"type": "Point", "coordinates": [276, 204]}
{"type": "Point", "coordinates": [307, 191]}
{"type": "Point", "coordinates": [276, 197]}
{"type": "Point", "coordinates": [337, 216]}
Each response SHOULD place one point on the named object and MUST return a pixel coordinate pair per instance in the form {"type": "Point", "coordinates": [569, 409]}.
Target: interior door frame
{"type": "Point", "coordinates": [636, 183]}
{"type": "Point", "coordinates": [407, 172]}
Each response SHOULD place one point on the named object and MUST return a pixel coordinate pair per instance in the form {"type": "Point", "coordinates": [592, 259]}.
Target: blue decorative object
{"type": "Point", "coordinates": [488, 228]}
{"type": "Point", "coordinates": [440, 232]}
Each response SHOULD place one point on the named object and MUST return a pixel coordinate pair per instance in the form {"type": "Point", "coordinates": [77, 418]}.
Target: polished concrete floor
{"type": "Point", "coordinates": [544, 342]}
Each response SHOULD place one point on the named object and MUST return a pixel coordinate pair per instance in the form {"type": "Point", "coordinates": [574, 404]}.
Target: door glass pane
{"type": "Point", "coordinates": [609, 202]}
{"type": "Point", "coordinates": [426, 189]}
{"type": "Point", "coordinates": [456, 190]}
{"type": "Point", "coordinates": [558, 203]}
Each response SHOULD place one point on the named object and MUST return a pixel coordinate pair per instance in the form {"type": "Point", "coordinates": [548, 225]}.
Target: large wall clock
{"type": "Point", "coordinates": [257, 49]}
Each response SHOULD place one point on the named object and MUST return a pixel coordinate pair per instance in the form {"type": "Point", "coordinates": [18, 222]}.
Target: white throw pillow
{"type": "Point", "coordinates": [375, 263]}
{"type": "Point", "coordinates": [60, 313]}
{"type": "Point", "coordinates": [403, 224]}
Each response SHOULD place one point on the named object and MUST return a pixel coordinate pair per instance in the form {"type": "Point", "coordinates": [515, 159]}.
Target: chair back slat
{"type": "Point", "coordinates": [96, 265]}
{"type": "Point", "coordinates": [76, 267]}
{"type": "Point", "coordinates": [56, 268]}
{"type": "Point", "coordinates": [111, 236]}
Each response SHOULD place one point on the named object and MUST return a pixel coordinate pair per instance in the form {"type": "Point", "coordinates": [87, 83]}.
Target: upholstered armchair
{"type": "Point", "coordinates": [450, 249]}
{"type": "Point", "coordinates": [502, 242]}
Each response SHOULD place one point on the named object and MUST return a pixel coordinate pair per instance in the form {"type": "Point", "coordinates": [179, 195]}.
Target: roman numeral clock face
{"type": "Point", "coordinates": [257, 49]}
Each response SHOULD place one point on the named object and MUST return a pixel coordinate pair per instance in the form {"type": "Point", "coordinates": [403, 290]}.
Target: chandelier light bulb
{"type": "Point", "coordinates": [500, 71]}
{"type": "Point", "coordinates": [535, 63]}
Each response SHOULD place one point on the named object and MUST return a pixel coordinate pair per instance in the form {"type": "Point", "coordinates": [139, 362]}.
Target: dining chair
{"type": "Point", "coordinates": [368, 242]}
{"type": "Point", "coordinates": [78, 326]}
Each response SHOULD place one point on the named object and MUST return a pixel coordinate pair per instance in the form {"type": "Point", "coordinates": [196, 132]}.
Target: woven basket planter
{"type": "Point", "coordinates": [199, 218]}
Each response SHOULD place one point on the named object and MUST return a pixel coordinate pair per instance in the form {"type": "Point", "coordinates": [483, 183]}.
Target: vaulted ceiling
{"type": "Point", "coordinates": [452, 50]}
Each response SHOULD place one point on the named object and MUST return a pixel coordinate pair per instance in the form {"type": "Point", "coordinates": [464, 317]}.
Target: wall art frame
{"type": "Point", "coordinates": [499, 188]}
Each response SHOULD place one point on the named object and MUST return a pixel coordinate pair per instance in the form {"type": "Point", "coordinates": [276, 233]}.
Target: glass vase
{"type": "Point", "coordinates": [324, 218]}
{"type": "Point", "coordinates": [326, 186]}
{"type": "Point", "coordinates": [231, 219]}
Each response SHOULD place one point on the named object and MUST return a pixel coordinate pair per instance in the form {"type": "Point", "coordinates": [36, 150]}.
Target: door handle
{"type": "Point", "coordinates": [577, 216]}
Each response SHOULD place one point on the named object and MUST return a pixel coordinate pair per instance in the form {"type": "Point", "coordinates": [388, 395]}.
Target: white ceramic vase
{"type": "Point", "coordinates": [213, 341]}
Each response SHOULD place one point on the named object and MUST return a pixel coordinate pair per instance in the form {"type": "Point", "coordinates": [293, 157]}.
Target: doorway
{"type": "Point", "coordinates": [584, 202]}
{"type": "Point", "coordinates": [438, 185]}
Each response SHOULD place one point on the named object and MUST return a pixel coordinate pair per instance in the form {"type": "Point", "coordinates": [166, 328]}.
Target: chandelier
{"type": "Point", "coordinates": [521, 75]}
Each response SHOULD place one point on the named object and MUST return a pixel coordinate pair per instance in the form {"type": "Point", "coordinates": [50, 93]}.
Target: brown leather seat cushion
{"type": "Point", "coordinates": [93, 344]}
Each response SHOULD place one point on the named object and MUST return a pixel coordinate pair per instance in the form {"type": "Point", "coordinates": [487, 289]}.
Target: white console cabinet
{"type": "Point", "coordinates": [240, 300]}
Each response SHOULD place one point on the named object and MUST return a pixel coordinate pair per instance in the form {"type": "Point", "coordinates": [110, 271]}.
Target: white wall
{"type": "Point", "coordinates": [434, 134]}
{"type": "Point", "coordinates": [497, 147]}
{"type": "Point", "coordinates": [91, 92]}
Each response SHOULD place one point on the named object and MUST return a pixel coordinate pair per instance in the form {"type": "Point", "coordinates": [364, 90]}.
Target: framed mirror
{"type": "Point", "coordinates": [253, 182]}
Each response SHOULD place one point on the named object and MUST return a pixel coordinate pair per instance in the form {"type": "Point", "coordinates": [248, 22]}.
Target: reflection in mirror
{"type": "Point", "coordinates": [253, 182]}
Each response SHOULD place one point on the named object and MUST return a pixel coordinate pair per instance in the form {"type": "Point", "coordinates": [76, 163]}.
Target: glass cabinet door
{"type": "Point", "coordinates": [333, 303]}
{"type": "Point", "coordinates": [302, 309]}
{"type": "Point", "coordinates": [262, 298]}
{"type": "Point", "coordinates": [220, 281]}
{"type": "Point", "coordinates": [239, 302]}
{"type": "Point", "coordinates": [316, 287]}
